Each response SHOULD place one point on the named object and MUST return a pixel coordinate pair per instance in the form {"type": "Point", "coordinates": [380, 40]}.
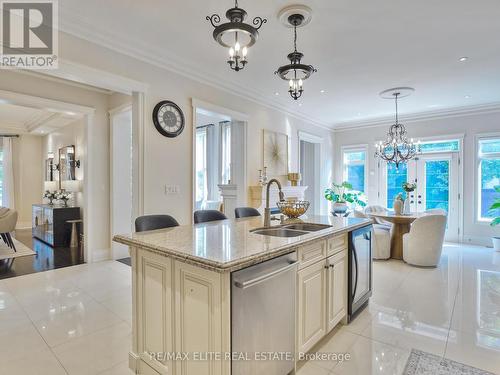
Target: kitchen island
{"type": "Point", "coordinates": [181, 288]}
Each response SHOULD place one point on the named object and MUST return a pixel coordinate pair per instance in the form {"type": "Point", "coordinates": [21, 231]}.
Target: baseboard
{"type": "Point", "coordinates": [477, 240]}
{"type": "Point", "coordinates": [23, 225]}
{"type": "Point", "coordinates": [133, 362]}
{"type": "Point", "coordinates": [99, 255]}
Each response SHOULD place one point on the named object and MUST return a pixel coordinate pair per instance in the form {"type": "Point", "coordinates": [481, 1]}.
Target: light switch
{"type": "Point", "coordinates": [172, 189]}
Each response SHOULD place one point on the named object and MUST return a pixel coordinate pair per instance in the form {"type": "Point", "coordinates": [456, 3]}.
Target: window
{"type": "Point", "coordinates": [355, 168]}
{"type": "Point", "coordinates": [395, 179]}
{"type": "Point", "coordinates": [440, 146]}
{"type": "Point", "coordinates": [226, 153]}
{"type": "Point", "coordinates": [201, 164]}
{"type": "Point", "coordinates": [488, 176]}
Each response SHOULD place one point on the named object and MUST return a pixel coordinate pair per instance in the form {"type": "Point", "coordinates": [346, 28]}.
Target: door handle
{"type": "Point", "coordinates": [419, 202]}
{"type": "Point", "coordinates": [262, 278]}
{"type": "Point", "coordinates": [356, 281]}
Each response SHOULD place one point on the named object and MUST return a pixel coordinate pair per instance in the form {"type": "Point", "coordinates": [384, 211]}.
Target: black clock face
{"type": "Point", "coordinates": [168, 119]}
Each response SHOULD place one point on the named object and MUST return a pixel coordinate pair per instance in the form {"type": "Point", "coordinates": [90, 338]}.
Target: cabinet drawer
{"type": "Point", "coordinates": [337, 244]}
{"type": "Point", "coordinates": [311, 253]}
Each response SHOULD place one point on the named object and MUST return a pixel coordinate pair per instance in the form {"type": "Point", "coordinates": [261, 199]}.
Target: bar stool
{"type": "Point", "coordinates": [74, 232]}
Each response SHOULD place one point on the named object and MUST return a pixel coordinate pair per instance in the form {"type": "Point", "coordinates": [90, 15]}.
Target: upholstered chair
{"type": "Point", "coordinates": [203, 216]}
{"type": "Point", "coordinates": [152, 222]}
{"type": "Point", "coordinates": [436, 211]}
{"type": "Point", "coordinates": [8, 221]}
{"type": "Point", "coordinates": [381, 240]}
{"type": "Point", "coordinates": [423, 245]}
{"type": "Point", "coordinates": [240, 212]}
{"type": "Point", "coordinates": [378, 209]}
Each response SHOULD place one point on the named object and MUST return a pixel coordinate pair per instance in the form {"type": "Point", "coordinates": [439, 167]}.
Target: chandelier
{"type": "Point", "coordinates": [295, 72]}
{"type": "Point", "coordinates": [236, 35]}
{"type": "Point", "coordinates": [397, 148]}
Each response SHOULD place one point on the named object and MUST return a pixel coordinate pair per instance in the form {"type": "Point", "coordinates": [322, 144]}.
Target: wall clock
{"type": "Point", "coordinates": [168, 119]}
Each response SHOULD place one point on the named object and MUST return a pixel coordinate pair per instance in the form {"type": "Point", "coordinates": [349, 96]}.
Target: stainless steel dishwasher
{"type": "Point", "coordinates": [263, 317]}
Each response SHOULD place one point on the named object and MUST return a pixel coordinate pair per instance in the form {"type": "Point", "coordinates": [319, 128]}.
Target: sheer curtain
{"type": "Point", "coordinates": [8, 196]}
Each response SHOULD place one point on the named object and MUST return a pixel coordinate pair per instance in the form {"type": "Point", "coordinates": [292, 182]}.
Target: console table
{"type": "Point", "coordinates": [49, 223]}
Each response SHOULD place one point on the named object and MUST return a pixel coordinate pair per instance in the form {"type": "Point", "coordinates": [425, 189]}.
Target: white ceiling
{"type": "Point", "coordinates": [16, 119]}
{"type": "Point", "coordinates": [359, 48]}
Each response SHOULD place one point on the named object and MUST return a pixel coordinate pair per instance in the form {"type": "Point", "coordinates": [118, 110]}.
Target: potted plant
{"type": "Point", "coordinates": [408, 187]}
{"type": "Point", "coordinates": [342, 194]}
{"type": "Point", "coordinates": [50, 195]}
{"type": "Point", "coordinates": [496, 221]}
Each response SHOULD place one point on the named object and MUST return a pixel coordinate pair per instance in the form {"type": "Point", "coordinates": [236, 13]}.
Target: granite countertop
{"type": "Point", "coordinates": [228, 245]}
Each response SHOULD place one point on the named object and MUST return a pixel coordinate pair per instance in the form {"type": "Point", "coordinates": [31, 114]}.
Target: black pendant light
{"type": "Point", "coordinates": [236, 35]}
{"type": "Point", "coordinates": [295, 72]}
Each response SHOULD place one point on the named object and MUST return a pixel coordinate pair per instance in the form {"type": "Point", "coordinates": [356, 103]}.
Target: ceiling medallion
{"type": "Point", "coordinates": [397, 148]}
{"type": "Point", "coordinates": [236, 35]}
{"type": "Point", "coordinates": [295, 72]}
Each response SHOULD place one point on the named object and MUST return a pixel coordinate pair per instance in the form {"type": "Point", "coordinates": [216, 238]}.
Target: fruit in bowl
{"type": "Point", "coordinates": [293, 209]}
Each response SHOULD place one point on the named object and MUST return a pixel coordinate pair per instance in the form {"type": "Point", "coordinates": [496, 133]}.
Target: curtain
{"type": "Point", "coordinates": [8, 196]}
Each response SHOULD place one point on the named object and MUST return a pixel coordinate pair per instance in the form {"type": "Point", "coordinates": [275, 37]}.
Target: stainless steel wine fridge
{"type": "Point", "coordinates": [360, 270]}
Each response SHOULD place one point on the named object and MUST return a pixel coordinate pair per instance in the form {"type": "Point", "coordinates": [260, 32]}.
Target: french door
{"type": "Point", "coordinates": [437, 179]}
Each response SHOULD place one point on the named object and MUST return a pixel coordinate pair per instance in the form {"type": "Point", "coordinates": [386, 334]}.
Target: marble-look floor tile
{"type": "Point", "coordinates": [75, 321]}
{"type": "Point", "coordinates": [36, 362]}
{"type": "Point", "coordinates": [372, 357]}
{"type": "Point", "coordinates": [121, 304]}
{"type": "Point", "coordinates": [119, 369]}
{"type": "Point", "coordinates": [97, 352]}
{"type": "Point", "coordinates": [19, 342]}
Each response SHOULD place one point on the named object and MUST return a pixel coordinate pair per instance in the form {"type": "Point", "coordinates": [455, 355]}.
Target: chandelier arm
{"type": "Point", "coordinates": [214, 19]}
{"type": "Point", "coordinates": [258, 22]}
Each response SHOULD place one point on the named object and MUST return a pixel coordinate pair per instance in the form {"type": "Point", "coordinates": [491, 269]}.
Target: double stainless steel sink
{"type": "Point", "coordinates": [290, 230]}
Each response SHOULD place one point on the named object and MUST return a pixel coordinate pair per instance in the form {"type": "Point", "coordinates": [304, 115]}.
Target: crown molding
{"type": "Point", "coordinates": [79, 27]}
{"type": "Point", "coordinates": [421, 116]}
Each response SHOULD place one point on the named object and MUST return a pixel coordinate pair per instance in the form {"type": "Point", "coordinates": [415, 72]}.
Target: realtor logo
{"type": "Point", "coordinates": [29, 36]}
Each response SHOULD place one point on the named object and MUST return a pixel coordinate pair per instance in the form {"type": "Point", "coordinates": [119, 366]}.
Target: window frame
{"type": "Point", "coordinates": [478, 219]}
{"type": "Point", "coordinates": [352, 149]}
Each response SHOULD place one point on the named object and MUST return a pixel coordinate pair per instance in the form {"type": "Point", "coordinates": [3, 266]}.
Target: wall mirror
{"type": "Point", "coordinates": [67, 163]}
{"type": "Point", "coordinates": [49, 170]}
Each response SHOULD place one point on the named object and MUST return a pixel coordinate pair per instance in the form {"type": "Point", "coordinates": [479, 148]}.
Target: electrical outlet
{"type": "Point", "coordinates": [172, 189]}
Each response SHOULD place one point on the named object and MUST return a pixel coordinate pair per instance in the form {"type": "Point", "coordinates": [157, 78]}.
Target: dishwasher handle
{"type": "Point", "coordinates": [262, 278]}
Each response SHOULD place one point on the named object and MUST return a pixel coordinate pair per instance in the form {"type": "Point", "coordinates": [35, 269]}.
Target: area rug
{"type": "Point", "coordinates": [422, 363]}
{"type": "Point", "coordinates": [21, 250]}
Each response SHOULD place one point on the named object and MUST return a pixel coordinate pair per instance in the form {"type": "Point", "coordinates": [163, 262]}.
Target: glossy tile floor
{"type": "Point", "coordinates": [77, 320]}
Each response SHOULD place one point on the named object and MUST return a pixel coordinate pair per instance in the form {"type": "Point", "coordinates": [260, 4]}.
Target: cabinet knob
{"type": "Point", "coordinates": [326, 267]}
{"type": "Point", "coordinates": [332, 265]}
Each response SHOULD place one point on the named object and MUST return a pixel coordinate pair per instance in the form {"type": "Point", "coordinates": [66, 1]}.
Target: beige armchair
{"type": "Point", "coordinates": [8, 221]}
{"type": "Point", "coordinates": [423, 245]}
{"type": "Point", "coordinates": [381, 238]}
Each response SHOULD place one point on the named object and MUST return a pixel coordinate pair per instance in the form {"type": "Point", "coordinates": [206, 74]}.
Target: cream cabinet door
{"type": "Point", "coordinates": [336, 290]}
{"type": "Point", "coordinates": [311, 305]}
{"type": "Point", "coordinates": [198, 320]}
{"type": "Point", "coordinates": [154, 275]}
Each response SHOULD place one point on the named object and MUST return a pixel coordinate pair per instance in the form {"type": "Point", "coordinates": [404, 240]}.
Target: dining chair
{"type": "Point", "coordinates": [152, 222]}
{"type": "Point", "coordinates": [381, 240]}
{"type": "Point", "coordinates": [436, 211]}
{"type": "Point", "coordinates": [378, 209]}
{"type": "Point", "coordinates": [203, 216]}
{"type": "Point", "coordinates": [240, 212]}
{"type": "Point", "coordinates": [8, 221]}
{"type": "Point", "coordinates": [423, 245]}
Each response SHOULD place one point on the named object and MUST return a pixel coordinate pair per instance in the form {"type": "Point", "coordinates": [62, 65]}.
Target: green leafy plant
{"type": "Point", "coordinates": [494, 207]}
{"type": "Point", "coordinates": [343, 193]}
{"type": "Point", "coordinates": [409, 187]}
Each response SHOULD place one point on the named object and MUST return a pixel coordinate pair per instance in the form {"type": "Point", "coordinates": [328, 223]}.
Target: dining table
{"type": "Point", "coordinates": [400, 226]}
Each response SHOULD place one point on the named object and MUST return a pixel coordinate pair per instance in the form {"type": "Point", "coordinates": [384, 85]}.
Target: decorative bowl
{"type": "Point", "coordinates": [293, 209]}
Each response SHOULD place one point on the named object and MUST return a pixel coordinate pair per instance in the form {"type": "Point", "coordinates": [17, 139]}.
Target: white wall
{"type": "Point", "coordinates": [469, 125]}
{"type": "Point", "coordinates": [72, 134]}
{"type": "Point", "coordinates": [28, 176]}
{"type": "Point", "coordinates": [169, 161]}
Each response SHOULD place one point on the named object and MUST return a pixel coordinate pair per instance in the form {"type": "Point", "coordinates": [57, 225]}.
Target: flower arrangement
{"type": "Point", "coordinates": [50, 195]}
{"type": "Point", "coordinates": [341, 194]}
{"type": "Point", "coordinates": [63, 196]}
{"type": "Point", "coordinates": [409, 187]}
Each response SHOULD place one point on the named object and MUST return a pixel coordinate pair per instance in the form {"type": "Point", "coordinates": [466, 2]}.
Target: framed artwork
{"type": "Point", "coordinates": [275, 147]}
